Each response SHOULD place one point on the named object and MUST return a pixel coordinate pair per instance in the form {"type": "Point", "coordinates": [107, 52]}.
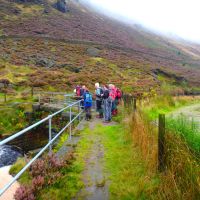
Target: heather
{"type": "Point", "coordinates": [50, 172]}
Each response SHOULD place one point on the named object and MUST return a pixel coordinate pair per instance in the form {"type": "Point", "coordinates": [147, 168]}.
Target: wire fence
{"type": "Point", "coordinates": [163, 126]}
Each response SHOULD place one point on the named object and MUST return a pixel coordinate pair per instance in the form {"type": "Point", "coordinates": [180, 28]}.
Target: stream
{"type": "Point", "coordinates": [30, 141]}
{"type": "Point", "coordinates": [8, 155]}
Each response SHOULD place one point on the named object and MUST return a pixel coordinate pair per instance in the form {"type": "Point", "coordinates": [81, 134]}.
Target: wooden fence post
{"type": "Point", "coordinates": [161, 142]}
{"type": "Point", "coordinates": [125, 100]}
{"type": "Point", "coordinates": [135, 104]}
{"type": "Point", "coordinates": [32, 92]}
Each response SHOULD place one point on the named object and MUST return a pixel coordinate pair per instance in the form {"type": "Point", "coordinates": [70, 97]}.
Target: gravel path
{"type": "Point", "coordinates": [5, 177]}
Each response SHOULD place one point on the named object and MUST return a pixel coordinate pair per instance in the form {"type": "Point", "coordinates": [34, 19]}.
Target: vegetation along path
{"type": "Point", "coordinates": [111, 167]}
{"type": "Point", "coordinates": [192, 112]}
{"type": "Point", "coordinates": [94, 178]}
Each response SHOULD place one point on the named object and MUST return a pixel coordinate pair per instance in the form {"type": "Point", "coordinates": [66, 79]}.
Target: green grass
{"type": "Point", "coordinates": [25, 179]}
{"type": "Point", "coordinates": [165, 104]}
{"type": "Point", "coordinates": [189, 130]}
{"type": "Point", "coordinates": [127, 172]}
{"type": "Point", "coordinates": [71, 182]}
{"type": "Point", "coordinates": [63, 138]}
{"type": "Point", "coordinates": [12, 120]}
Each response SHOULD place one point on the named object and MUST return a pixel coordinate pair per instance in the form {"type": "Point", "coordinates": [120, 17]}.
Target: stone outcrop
{"type": "Point", "coordinates": [62, 6]}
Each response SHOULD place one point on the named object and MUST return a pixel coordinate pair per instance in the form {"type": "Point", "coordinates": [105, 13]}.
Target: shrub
{"type": "Point", "coordinates": [38, 182]}
{"type": "Point", "coordinates": [23, 192]}
{"type": "Point", "coordinates": [43, 172]}
{"type": "Point", "coordinates": [38, 168]}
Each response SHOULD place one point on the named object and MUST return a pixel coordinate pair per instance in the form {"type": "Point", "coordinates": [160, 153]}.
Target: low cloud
{"type": "Point", "coordinates": [172, 17]}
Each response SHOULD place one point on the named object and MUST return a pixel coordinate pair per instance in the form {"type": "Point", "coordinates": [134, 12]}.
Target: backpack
{"type": "Point", "coordinates": [78, 91]}
{"type": "Point", "coordinates": [88, 98]}
{"type": "Point", "coordinates": [82, 91]}
{"type": "Point", "coordinates": [112, 94]}
{"type": "Point", "coordinates": [106, 94]}
{"type": "Point", "coordinates": [118, 93]}
{"type": "Point", "coordinates": [99, 92]}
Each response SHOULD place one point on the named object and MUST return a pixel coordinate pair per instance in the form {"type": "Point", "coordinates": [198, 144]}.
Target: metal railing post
{"type": "Point", "coordinates": [70, 127]}
{"type": "Point", "coordinates": [50, 133]}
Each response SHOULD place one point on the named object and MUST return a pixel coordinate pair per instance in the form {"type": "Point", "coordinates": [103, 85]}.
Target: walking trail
{"type": "Point", "coordinates": [5, 177]}
{"type": "Point", "coordinates": [94, 178]}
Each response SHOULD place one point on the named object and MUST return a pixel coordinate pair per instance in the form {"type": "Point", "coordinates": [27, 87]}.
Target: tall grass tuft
{"type": "Point", "coordinates": [145, 137]}
{"type": "Point", "coordinates": [181, 178]}
{"type": "Point", "coordinates": [189, 130]}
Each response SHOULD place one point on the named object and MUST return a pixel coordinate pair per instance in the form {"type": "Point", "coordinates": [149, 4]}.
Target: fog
{"type": "Point", "coordinates": [171, 17]}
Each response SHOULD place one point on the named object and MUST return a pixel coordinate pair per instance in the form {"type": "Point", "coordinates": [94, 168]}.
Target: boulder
{"type": "Point", "coordinates": [92, 51]}
{"type": "Point", "coordinates": [44, 62]}
{"type": "Point", "coordinates": [36, 107]}
{"type": "Point", "coordinates": [62, 6]}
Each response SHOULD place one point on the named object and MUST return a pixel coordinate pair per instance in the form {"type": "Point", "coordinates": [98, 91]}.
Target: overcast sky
{"type": "Point", "coordinates": [179, 17]}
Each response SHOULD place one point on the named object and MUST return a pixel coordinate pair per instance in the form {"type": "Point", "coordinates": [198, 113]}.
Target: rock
{"type": "Point", "coordinates": [44, 62]}
{"type": "Point", "coordinates": [47, 10]}
{"type": "Point", "coordinates": [70, 67]}
{"type": "Point", "coordinates": [16, 11]}
{"type": "Point", "coordinates": [92, 51]}
{"type": "Point", "coordinates": [29, 116]}
{"type": "Point", "coordinates": [168, 75]}
{"type": "Point", "coordinates": [61, 5]}
{"type": "Point", "coordinates": [1, 85]}
{"type": "Point", "coordinates": [39, 32]}
{"type": "Point", "coordinates": [65, 115]}
{"type": "Point", "coordinates": [36, 107]}
{"type": "Point", "coordinates": [29, 1]}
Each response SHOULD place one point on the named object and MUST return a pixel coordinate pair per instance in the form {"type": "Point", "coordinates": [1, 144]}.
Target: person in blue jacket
{"type": "Point", "coordinates": [87, 104]}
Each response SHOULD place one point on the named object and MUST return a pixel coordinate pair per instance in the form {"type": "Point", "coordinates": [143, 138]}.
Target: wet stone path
{"type": "Point", "coordinates": [94, 178]}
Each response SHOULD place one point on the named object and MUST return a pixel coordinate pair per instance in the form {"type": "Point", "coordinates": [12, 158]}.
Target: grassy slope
{"type": "Point", "coordinates": [150, 50]}
{"type": "Point", "coordinates": [128, 69]}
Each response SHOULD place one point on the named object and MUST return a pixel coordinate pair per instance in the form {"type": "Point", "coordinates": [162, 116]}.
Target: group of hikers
{"type": "Point", "coordinates": [107, 99]}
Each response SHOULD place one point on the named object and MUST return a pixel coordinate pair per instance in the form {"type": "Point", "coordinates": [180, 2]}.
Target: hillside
{"type": "Point", "coordinates": [78, 44]}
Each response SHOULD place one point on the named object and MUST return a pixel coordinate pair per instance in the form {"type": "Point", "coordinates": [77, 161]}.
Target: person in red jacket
{"type": "Point", "coordinates": [113, 94]}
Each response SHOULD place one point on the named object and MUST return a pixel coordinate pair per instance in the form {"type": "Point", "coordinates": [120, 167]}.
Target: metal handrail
{"type": "Point", "coordinates": [48, 145]}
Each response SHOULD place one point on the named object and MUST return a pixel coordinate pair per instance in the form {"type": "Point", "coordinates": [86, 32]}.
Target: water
{"type": "Point", "coordinates": [8, 155]}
